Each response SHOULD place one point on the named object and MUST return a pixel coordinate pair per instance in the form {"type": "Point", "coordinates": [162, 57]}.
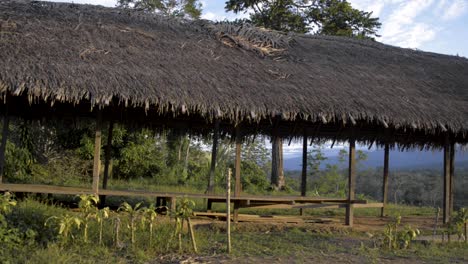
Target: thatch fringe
{"type": "Point", "coordinates": [99, 57]}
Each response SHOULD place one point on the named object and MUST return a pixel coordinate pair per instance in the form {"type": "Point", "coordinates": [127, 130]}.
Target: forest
{"type": "Point", "coordinates": [62, 154]}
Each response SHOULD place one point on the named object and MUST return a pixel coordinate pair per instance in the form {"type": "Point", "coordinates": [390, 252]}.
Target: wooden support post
{"type": "Point", "coordinates": [385, 179]}
{"type": "Point", "coordinates": [237, 169]}
{"type": "Point", "coordinates": [452, 177]}
{"type": "Point", "coordinates": [172, 203]}
{"type": "Point", "coordinates": [214, 152]}
{"type": "Point", "coordinates": [446, 198]}
{"type": "Point", "coordinates": [107, 160]}
{"type": "Point", "coordinates": [228, 210]}
{"type": "Point", "coordinates": [351, 182]}
{"type": "Point", "coordinates": [209, 205]}
{"type": "Point", "coordinates": [97, 153]}
{"type": "Point", "coordinates": [237, 166]}
{"type": "Point", "coordinates": [304, 168]}
{"type": "Point", "coordinates": [5, 132]}
{"type": "Point", "coordinates": [236, 211]}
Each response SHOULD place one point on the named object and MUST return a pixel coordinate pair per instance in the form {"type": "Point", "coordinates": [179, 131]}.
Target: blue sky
{"type": "Point", "coordinates": [439, 26]}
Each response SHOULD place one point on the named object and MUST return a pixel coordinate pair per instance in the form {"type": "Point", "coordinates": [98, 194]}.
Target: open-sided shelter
{"type": "Point", "coordinates": [62, 60]}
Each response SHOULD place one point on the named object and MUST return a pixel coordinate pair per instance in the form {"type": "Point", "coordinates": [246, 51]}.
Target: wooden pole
{"type": "Point", "coordinates": [97, 153]}
{"type": "Point", "coordinates": [385, 179]}
{"type": "Point", "coordinates": [192, 235]}
{"type": "Point", "coordinates": [5, 132]}
{"type": "Point", "coordinates": [214, 152]}
{"type": "Point", "coordinates": [304, 169]}
{"type": "Point", "coordinates": [228, 210]}
{"type": "Point", "coordinates": [351, 182]}
{"type": "Point", "coordinates": [304, 166]}
{"type": "Point", "coordinates": [238, 185]}
{"type": "Point", "coordinates": [107, 159]}
{"type": "Point", "coordinates": [275, 162]}
{"type": "Point", "coordinates": [237, 166]}
{"type": "Point", "coordinates": [452, 177]}
{"type": "Point", "coordinates": [446, 199]}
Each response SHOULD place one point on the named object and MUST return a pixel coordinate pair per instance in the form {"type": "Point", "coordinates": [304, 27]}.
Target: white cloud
{"type": "Point", "coordinates": [455, 9]}
{"type": "Point", "coordinates": [374, 6]}
{"type": "Point", "coordinates": [401, 27]}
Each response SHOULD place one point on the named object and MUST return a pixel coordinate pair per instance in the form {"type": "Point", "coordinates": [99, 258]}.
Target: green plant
{"type": "Point", "coordinates": [133, 213]}
{"type": "Point", "coordinates": [182, 213]}
{"type": "Point", "coordinates": [395, 239]}
{"type": "Point", "coordinates": [6, 203]}
{"type": "Point", "coordinates": [66, 225]}
{"type": "Point", "coordinates": [148, 217]}
{"type": "Point", "coordinates": [88, 208]}
{"type": "Point", "coordinates": [459, 224]}
{"type": "Point", "coordinates": [100, 216]}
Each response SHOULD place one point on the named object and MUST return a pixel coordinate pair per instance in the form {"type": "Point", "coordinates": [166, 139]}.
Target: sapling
{"type": "Point", "coordinates": [133, 213]}
{"type": "Point", "coordinates": [100, 216]}
{"type": "Point", "coordinates": [182, 213]}
{"type": "Point", "coordinates": [149, 215]}
{"type": "Point", "coordinates": [87, 205]}
{"type": "Point", "coordinates": [66, 224]}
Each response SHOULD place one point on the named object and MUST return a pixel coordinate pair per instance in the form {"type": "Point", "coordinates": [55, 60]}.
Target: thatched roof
{"type": "Point", "coordinates": [96, 56]}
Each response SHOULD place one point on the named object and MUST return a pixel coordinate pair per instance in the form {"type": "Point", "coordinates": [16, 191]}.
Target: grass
{"type": "Point", "coordinates": [253, 242]}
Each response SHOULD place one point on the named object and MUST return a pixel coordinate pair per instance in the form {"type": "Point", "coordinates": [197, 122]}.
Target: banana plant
{"type": "Point", "coordinates": [148, 216]}
{"type": "Point", "coordinates": [88, 208]}
{"type": "Point", "coordinates": [181, 214]}
{"type": "Point", "coordinates": [6, 203]}
{"type": "Point", "coordinates": [66, 224]}
{"type": "Point", "coordinates": [460, 222]}
{"type": "Point", "coordinates": [133, 213]}
{"type": "Point", "coordinates": [100, 216]}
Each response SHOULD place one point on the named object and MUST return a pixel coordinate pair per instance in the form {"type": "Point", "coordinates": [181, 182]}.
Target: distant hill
{"type": "Point", "coordinates": [398, 160]}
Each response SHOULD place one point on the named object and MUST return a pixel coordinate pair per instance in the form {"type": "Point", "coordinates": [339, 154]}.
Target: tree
{"type": "Point", "coordinates": [323, 17]}
{"type": "Point", "coordinates": [180, 8]}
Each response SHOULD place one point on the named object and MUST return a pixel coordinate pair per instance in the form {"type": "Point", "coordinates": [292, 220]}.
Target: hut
{"type": "Point", "coordinates": [63, 60]}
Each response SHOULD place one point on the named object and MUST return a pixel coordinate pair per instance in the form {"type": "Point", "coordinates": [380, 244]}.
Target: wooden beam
{"type": "Point", "coordinates": [107, 159]}
{"type": "Point", "coordinates": [385, 179]}
{"type": "Point", "coordinates": [97, 153]}
{"type": "Point", "coordinates": [351, 182]}
{"type": "Point", "coordinates": [304, 165]}
{"type": "Point", "coordinates": [5, 132]}
{"type": "Point", "coordinates": [452, 177]}
{"type": "Point", "coordinates": [214, 152]}
{"type": "Point", "coordinates": [237, 165]}
{"type": "Point", "coordinates": [446, 198]}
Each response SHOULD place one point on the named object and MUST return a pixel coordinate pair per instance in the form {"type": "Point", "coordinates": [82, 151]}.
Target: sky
{"type": "Point", "coordinates": [439, 26]}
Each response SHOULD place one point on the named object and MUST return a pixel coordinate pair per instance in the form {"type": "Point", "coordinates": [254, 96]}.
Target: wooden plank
{"type": "Point", "coordinates": [97, 153]}
{"type": "Point", "coordinates": [31, 188]}
{"type": "Point", "coordinates": [446, 198]}
{"type": "Point", "coordinates": [5, 132]}
{"type": "Point", "coordinates": [351, 182]}
{"type": "Point", "coordinates": [385, 179]}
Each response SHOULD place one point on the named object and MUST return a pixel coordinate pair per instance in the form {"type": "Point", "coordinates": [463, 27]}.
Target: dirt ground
{"type": "Point", "coordinates": [361, 224]}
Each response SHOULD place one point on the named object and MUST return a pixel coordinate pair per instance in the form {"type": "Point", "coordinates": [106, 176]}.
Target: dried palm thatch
{"type": "Point", "coordinates": [88, 56]}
